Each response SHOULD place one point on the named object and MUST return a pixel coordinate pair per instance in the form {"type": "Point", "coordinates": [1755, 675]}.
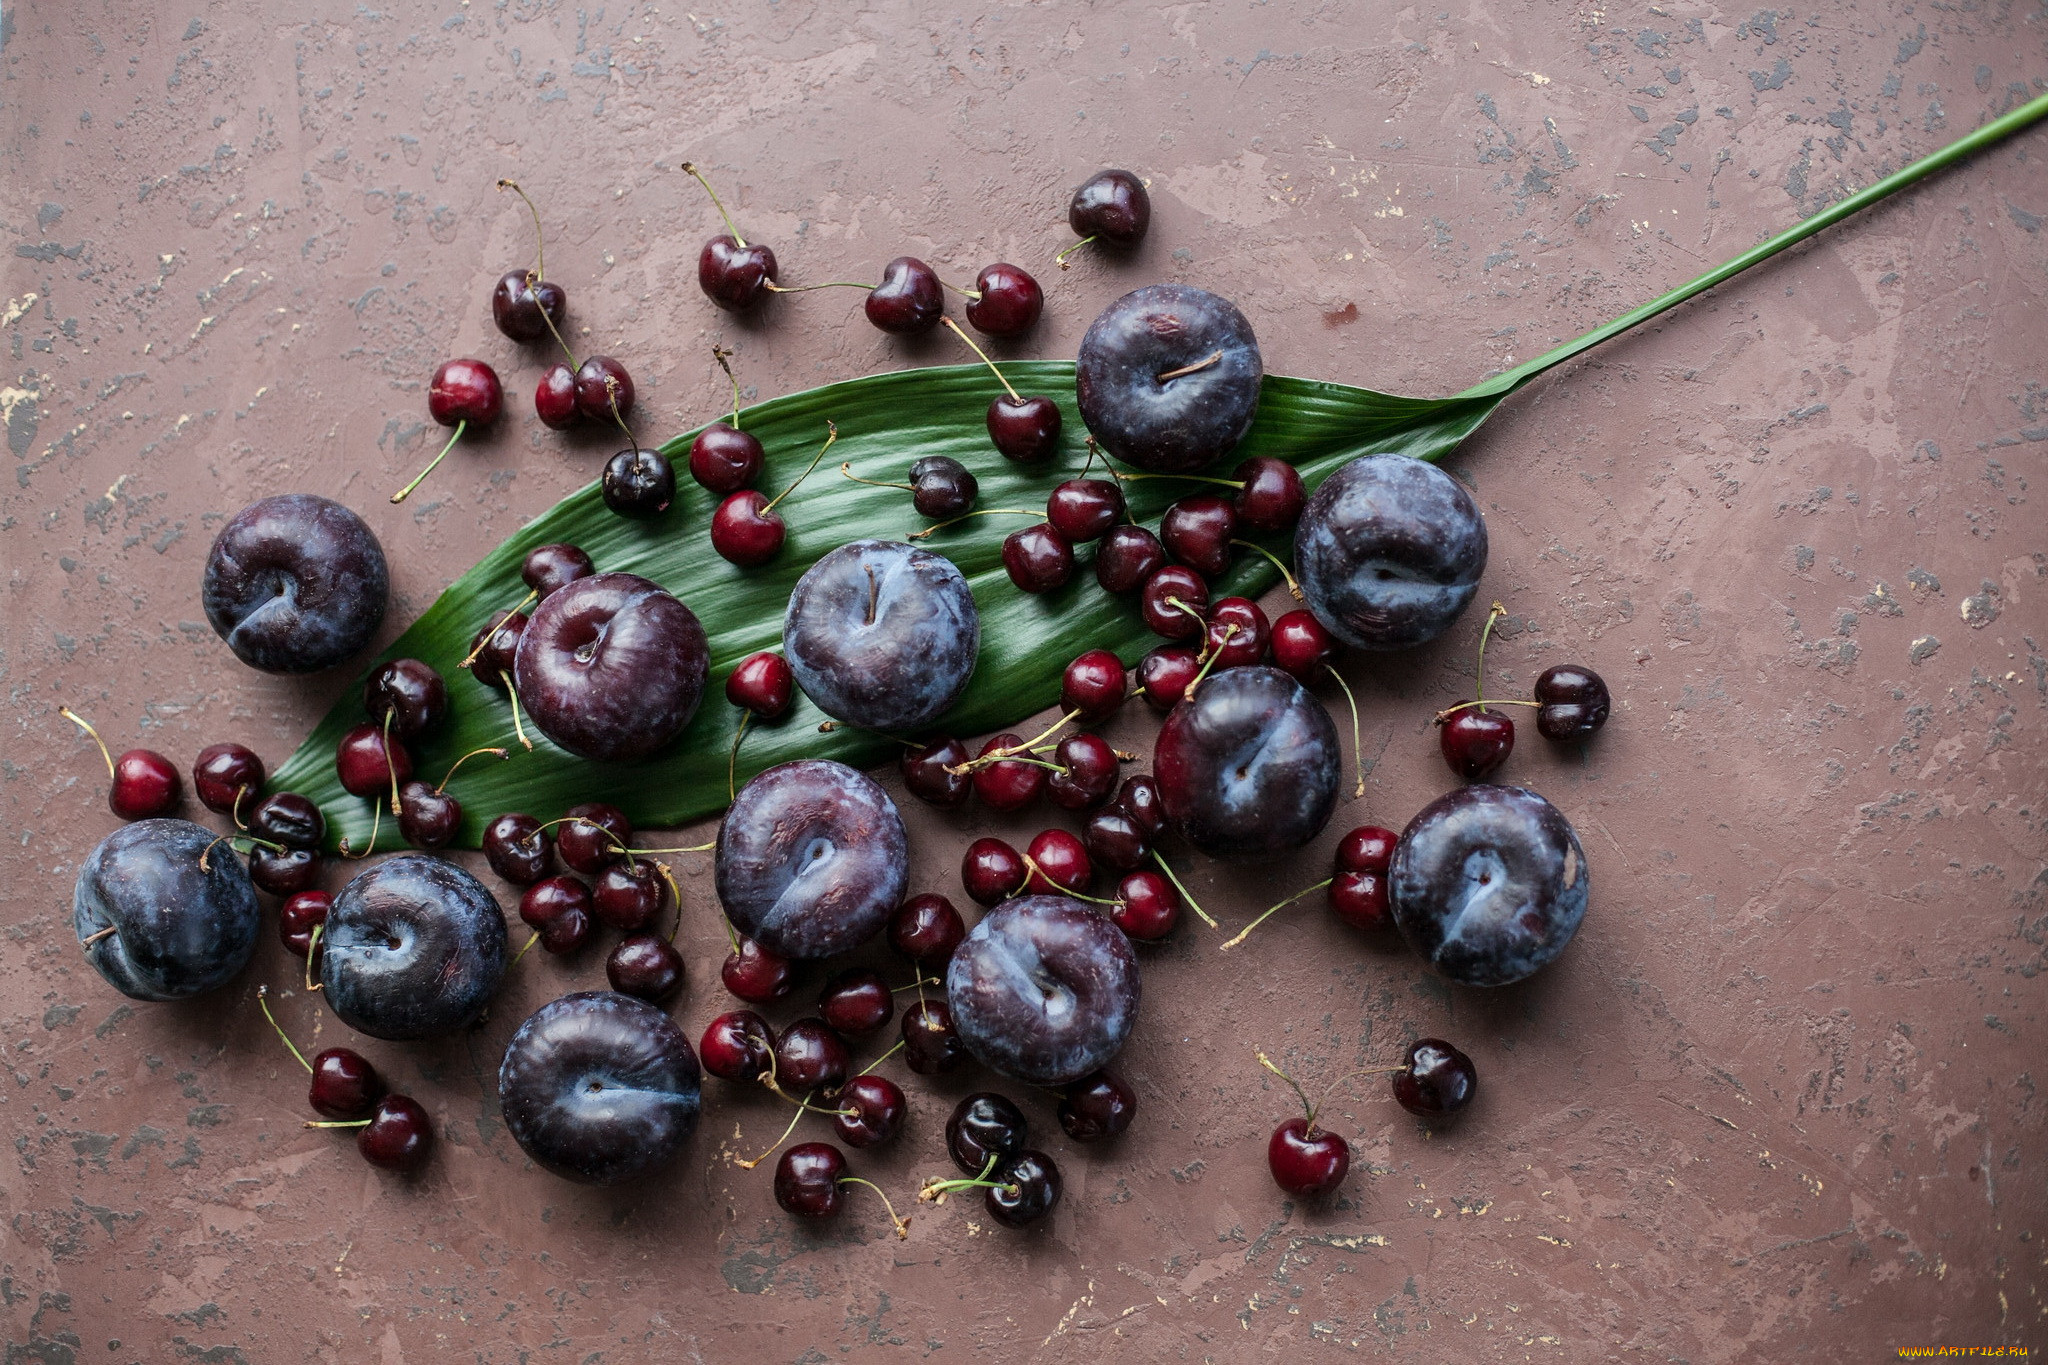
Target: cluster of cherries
{"type": "Point", "coordinates": [1435, 1082]}
{"type": "Point", "coordinates": [392, 1131]}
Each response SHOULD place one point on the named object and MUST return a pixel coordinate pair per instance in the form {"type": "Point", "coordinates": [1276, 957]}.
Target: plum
{"type": "Point", "coordinates": [180, 929]}
{"type": "Point", "coordinates": [295, 583]}
{"type": "Point", "coordinates": [1389, 552]}
{"type": "Point", "coordinates": [612, 667]}
{"type": "Point", "coordinates": [413, 948]}
{"type": "Point", "coordinates": [812, 859]}
{"type": "Point", "coordinates": [1044, 989]}
{"type": "Point", "coordinates": [1248, 765]}
{"type": "Point", "coordinates": [1488, 884]}
{"type": "Point", "coordinates": [882, 635]}
{"type": "Point", "coordinates": [599, 1087]}
{"type": "Point", "coordinates": [1168, 378]}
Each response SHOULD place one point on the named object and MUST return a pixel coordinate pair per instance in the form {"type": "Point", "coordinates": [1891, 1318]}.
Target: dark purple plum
{"type": "Point", "coordinates": [812, 859]}
{"type": "Point", "coordinates": [1044, 989]}
{"type": "Point", "coordinates": [612, 667]}
{"type": "Point", "coordinates": [180, 929]}
{"type": "Point", "coordinates": [413, 948]}
{"type": "Point", "coordinates": [1389, 552]}
{"type": "Point", "coordinates": [599, 1087]}
{"type": "Point", "coordinates": [1248, 765]}
{"type": "Point", "coordinates": [882, 635]}
{"type": "Point", "coordinates": [1488, 884]}
{"type": "Point", "coordinates": [1168, 378]}
{"type": "Point", "coordinates": [295, 584]}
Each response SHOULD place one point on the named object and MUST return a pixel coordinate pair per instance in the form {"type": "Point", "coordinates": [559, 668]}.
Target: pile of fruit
{"type": "Point", "coordinates": [1487, 884]}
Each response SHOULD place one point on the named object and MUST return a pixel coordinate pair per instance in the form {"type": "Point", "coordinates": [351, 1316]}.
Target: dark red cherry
{"type": "Point", "coordinates": [602, 386]}
{"type": "Point", "coordinates": [549, 568]}
{"type": "Point", "coordinates": [299, 916]}
{"type": "Point", "coordinates": [289, 819]}
{"type": "Point", "coordinates": [343, 1084]}
{"type": "Point", "coordinates": [1197, 530]}
{"type": "Point", "coordinates": [1238, 635]}
{"type": "Point", "coordinates": [1114, 840]}
{"type": "Point", "coordinates": [991, 870]}
{"type": "Point", "coordinates": [762, 683]}
{"type": "Point", "coordinates": [1272, 496]}
{"type": "Point", "coordinates": [1086, 775]}
{"type": "Point", "coordinates": [909, 299]}
{"type": "Point", "coordinates": [1360, 900]}
{"type": "Point", "coordinates": [1094, 684]}
{"type": "Point", "coordinates": [145, 785]}
{"type": "Point", "coordinates": [809, 1057]}
{"type": "Point", "coordinates": [1007, 784]}
{"type": "Point", "coordinates": [494, 648]}
{"type": "Point", "coordinates": [941, 487]}
{"type": "Point", "coordinates": [1147, 906]}
{"type": "Point", "coordinates": [1082, 510]}
{"type": "Point", "coordinates": [1302, 645]}
{"type": "Point", "coordinates": [638, 483]}
{"type": "Point", "coordinates": [518, 849]}
{"type": "Point", "coordinates": [737, 1046]}
{"type": "Point", "coordinates": [1439, 1082]}
{"type": "Point", "coordinates": [1307, 1161]}
{"type": "Point", "coordinates": [629, 896]}
{"type": "Point", "coordinates": [1111, 207]}
{"type": "Point", "coordinates": [1097, 1107]}
{"type": "Point", "coordinates": [1038, 558]}
{"type": "Point", "coordinates": [1010, 300]}
{"type": "Point", "coordinates": [1025, 1189]}
{"type": "Point", "coordinates": [594, 838]}
{"type": "Point", "coordinates": [981, 1126]}
{"type": "Point", "coordinates": [647, 966]}
{"type": "Point", "coordinates": [1573, 702]}
{"type": "Point", "coordinates": [926, 929]}
{"type": "Point", "coordinates": [1369, 848]}
{"type": "Point", "coordinates": [733, 276]}
{"type": "Point", "coordinates": [725, 459]}
{"type": "Point", "coordinates": [399, 1136]}
{"type": "Point", "coordinates": [284, 872]}
{"type": "Point", "coordinates": [1476, 741]}
{"type": "Point", "coordinates": [1175, 603]}
{"type": "Point", "coordinates": [558, 909]}
{"type": "Point", "coordinates": [465, 391]}
{"type": "Point", "coordinates": [427, 817]}
{"type": "Point", "coordinates": [928, 772]}
{"type": "Point", "coordinates": [227, 774]}
{"type": "Point", "coordinates": [869, 1111]}
{"type": "Point", "coordinates": [1139, 798]}
{"type": "Point", "coordinates": [756, 975]}
{"type": "Point", "coordinates": [1059, 864]}
{"type": "Point", "coordinates": [931, 1044]}
{"type": "Point", "coordinates": [1165, 674]}
{"type": "Point", "coordinates": [413, 694]}
{"type": "Point", "coordinates": [1026, 429]}
{"type": "Point", "coordinates": [523, 305]}
{"type": "Point", "coordinates": [746, 530]}
{"type": "Point", "coordinates": [368, 765]}
{"type": "Point", "coordinates": [554, 398]}
{"type": "Point", "coordinates": [807, 1180]}
{"type": "Point", "coordinates": [1127, 558]}
{"type": "Point", "coordinates": [856, 1002]}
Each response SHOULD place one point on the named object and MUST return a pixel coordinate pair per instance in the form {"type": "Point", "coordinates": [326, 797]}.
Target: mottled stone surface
{"type": "Point", "coordinates": [1776, 1102]}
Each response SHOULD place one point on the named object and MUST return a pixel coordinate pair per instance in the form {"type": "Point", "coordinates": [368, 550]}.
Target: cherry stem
{"type": "Point", "coordinates": [419, 478]}
{"type": "Point", "coordinates": [917, 985]}
{"type": "Point", "coordinates": [732, 761]}
{"type": "Point", "coordinates": [1191, 478]}
{"type": "Point", "coordinates": [540, 259]}
{"type": "Point", "coordinates": [935, 1190]}
{"type": "Point", "coordinates": [978, 512]}
{"type": "Point", "coordinates": [484, 640]}
{"type": "Point", "coordinates": [831, 435]}
{"type": "Point", "coordinates": [523, 950]}
{"type": "Point", "coordinates": [1351, 1076]}
{"type": "Point", "coordinates": [732, 936]}
{"type": "Point", "coordinates": [1309, 1109]}
{"type": "Point", "coordinates": [97, 935]}
{"type": "Point", "coordinates": [517, 728]}
{"type": "Point", "coordinates": [611, 395]}
{"type": "Point", "coordinates": [1193, 905]}
{"type": "Point", "coordinates": [390, 768]}
{"type": "Point", "coordinates": [846, 472]}
{"type": "Point", "coordinates": [974, 294]}
{"type": "Point", "coordinates": [902, 1225]}
{"type": "Point", "coordinates": [73, 717]}
{"type": "Point", "coordinates": [500, 752]}
{"type": "Point", "coordinates": [312, 947]}
{"type": "Point", "coordinates": [236, 812]}
{"type": "Point", "coordinates": [721, 355]}
{"type": "Point", "coordinates": [1214, 357]}
{"type": "Point", "coordinates": [676, 892]}
{"type": "Point", "coordinates": [1089, 463]}
{"type": "Point", "coordinates": [1229, 630]}
{"type": "Point", "coordinates": [1060, 888]}
{"type": "Point", "coordinates": [1494, 613]}
{"type": "Point", "coordinates": [1243, 933]}
{"type": "Point", "coordinates": [1014, 752]}
{"type": "Point", "coordinates": [892, 1051]}
{"type": "Point", "coordinates": [1014, 396]}
{"type": "Point", "coordinates": [263, 991]}
{"type": "Point", "coordinates": [339, 1123]}
{"type": "Point", "coordinates": [698, 176]}
{"type": "Point", "coordinates": [557, 334]}
{"type": "Point", "coordinates": [1061, 259]}
{"type": "Point", "coordinates": [775, 288]}
{"type": "Point", "coordinates": [1497, 701]}
{"type": "Point", "coordinates": [1357, 750]}
{"type": "Point", "coordinates": [376, 823]}
{"type": "Point", "coordinates": [794, 1119]}
{"type": "Point", "coordinates": [1292, 587]}
{"type": "Point", "coordinates": [229, 840]}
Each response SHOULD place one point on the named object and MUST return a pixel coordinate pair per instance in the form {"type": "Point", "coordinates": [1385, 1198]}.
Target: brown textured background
{"type": "Point", "coordinates": [1777, 1101]}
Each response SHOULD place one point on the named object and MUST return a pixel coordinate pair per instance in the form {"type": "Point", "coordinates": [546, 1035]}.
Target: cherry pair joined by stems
{"type": "Point", "coordinates": [1434, 1081]}
{"type": "Point", "coordinates": [746, 530]}
{"type": "Point", "coordinates": [1571, 703]}
{"type": "Point", "coordinates": [1357, 887]}
{"type": "Point", "coordinates": [393, 1131]}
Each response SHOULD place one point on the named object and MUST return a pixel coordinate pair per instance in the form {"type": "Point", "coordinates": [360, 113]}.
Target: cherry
{"type": "Point", "coordinates": [145, 783]}
{"type": "Point", "coordinates": [928, 771]}
{"type": "Point", "coordinates": [284, 872]}
{"type": "Point", "coordinates": [427, 816]}
{"type": "Point", "coordinates": [1437, 1082]}
{"type": "Point", "coordinates": [638, 483]}
{"type": "Point", "coordinates": [871, 1110]}
{"type": "Point", "coordinates": [725, 459]}
{"type": "Point", "coordinates": [1270, 495]}
{"type": "Point", "coordinates": [226, 775]}
{"type": "Point", "coordinates": [941, 487]}
{"type": "Point", "coordinates": [370, 763]}
{"type": "Point", "coordinates": [1369, 848]}
{"type": "Point", "coordinates": [931, 1044]}
{"type": "Point", "coordinates": [981, 1126]}
{"type": "Point", "coordinates": [647, 966]}
{"type": "Point", "coordinates": [763, 684]}
{"type": "Point", "coordinates": [1005, 301]}
{"type": "Point", "coordinates": [518, 849]}
{"type": "Point", "coordinates": [1197, 531]}
{"type": "Point", "coordinates": [1111, 207]}
{"type": "Point", "coordinates": [1476, 741]}
{"type": "Point", "coordinates": [604, 391]}
{"type": "Point", "coordinates": [525, 305]}
{"type": "Point", "coordinates": [1140, 799]}
{"type": "Point", "coordinates": [1086, 776]}
{"type": "Point", "coordinates": [299, 916]}
{"type": "Point", "coordinates": [399, 1136]}
{"type": "Point", "coordinates": [926, 929]}
{"type": "Point", "coordinates": [493, 649]}
{"type": "Point", "coordinates": [1010, 783]}
{"type": "Point", "coordinates": [1302, 645]}
{"type": "Point", "coordinates": [593, 837]}
{"type": "Point", "coordinates": [1175, 603]}
{"type": "Point", "coordinates": [731, 273]}
{"type": "Point", "coordinates": [410, 694]}
{"type": "Point", "coordinates": [1308, 1162]}
{"type": "Point", "coordinates": [1358, 890]}
{"type": "Point", "coordinates": [1238, 635]}
{"type": "Point", "coordinates": [1038, 558]}
{"type": "Point", "coordinates": [1094, 685]}
{"type": "Point", "coordinates": [807, 1180]}
{"type": "Point", "coordinates": [1097, 1107]}
{"type": "Point", "coordinates": [1147, 908]}
{"type": "Point", "coordinates": [809, 1057]}
{"type": "Point", "coordinates": [857, 1002]}
{"type": "Point", "coordinates": [1572, 702]}
{"type": "Point", "coordinates": [289, 819]}
{"type": "Point", "coordinates": [991, 870]}
{"type": "Point", "coordinates": [1165, 675]}
{"type": "Point", "coordinates": [629, 896]}
{"type": "Point", "coordinates": [909, 299]}
{"type": "Point", "coordinates": [1082, 510]}
{"type": "Point", "coordinates": [1025, 1189]}
{"type": "Point", "coordinates": [463, 393]}
{"type": "Point", "coordinates": [554, 398]}
{"type": "Point", "coordinates": [1026, 430]}
{"type": "Point", "coordinates": [1115, 841]}
{"type": "Point", "coordinates": [549, 568]}
{"type": "Point", "coordinates": [756, 975]}
{"type": "Point", "coordinates": [1127, 558]}
{"type": "Point", "coordinates": [737, 1046]}
{"type": "Point", "coordinates": [558, 909]}
{"type": "Point", "coordinates": [1059, 864]}
{"type": "Point", "coordinates": [344, 1085]}
{"type": "Point", "coordinates": [746, 529]}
